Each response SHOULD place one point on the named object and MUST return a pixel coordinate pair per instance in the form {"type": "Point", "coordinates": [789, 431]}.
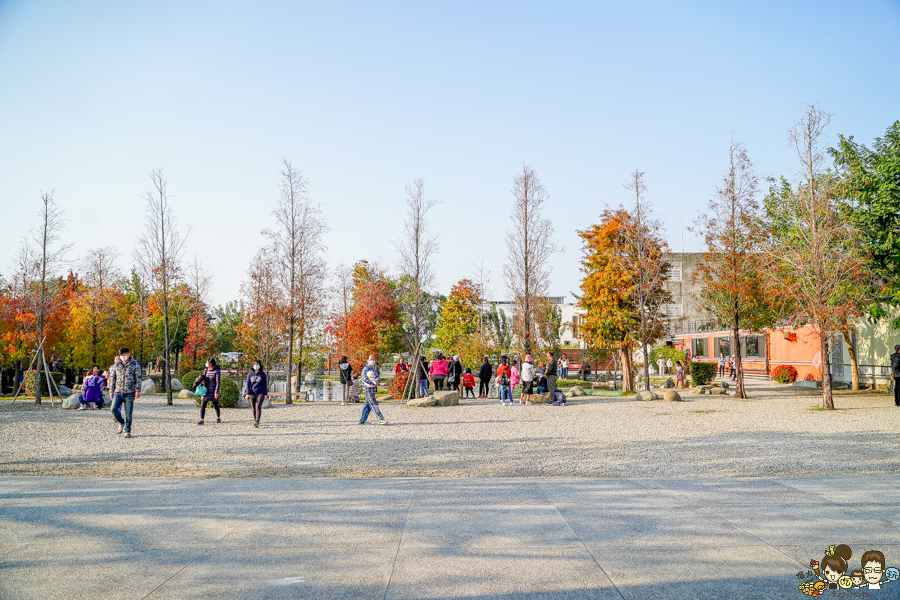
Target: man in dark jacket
{"type": "Point", "coordinates": [895, 372]}
{"type": "Point", "coordinates": [551, 372]}
{"type": "Point", "coordinates": [484, 378]}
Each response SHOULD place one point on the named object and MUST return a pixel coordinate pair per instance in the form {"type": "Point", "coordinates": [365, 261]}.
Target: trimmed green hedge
{"type": "Point", "coordinates": [187, 379]}
{"type": "Point", "coordinates": [702, 373]}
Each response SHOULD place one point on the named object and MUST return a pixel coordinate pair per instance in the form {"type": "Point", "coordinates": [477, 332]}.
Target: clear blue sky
{"type": "Point", "coordinates": [364, 97]}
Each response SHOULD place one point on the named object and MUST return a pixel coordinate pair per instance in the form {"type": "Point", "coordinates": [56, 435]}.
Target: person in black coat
{"type": "Point", "coordinates": [895, 373]}
{"type": "Point", "coordinates": [484, 378]}
{"type": "Point", "coordinates": [455, 375]}
{"type": "Point", "coordinates": [422, 375]}
{"type": "Point", "coordinates": [345, 369]}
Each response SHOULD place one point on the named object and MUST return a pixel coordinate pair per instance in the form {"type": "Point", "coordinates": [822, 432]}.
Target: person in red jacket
{"type": "Point", "coordinates": [469, 383]}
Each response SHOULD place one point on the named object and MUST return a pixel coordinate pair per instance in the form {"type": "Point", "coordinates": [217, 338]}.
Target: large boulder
{"type": "Point", "coordinates": [576, 391]}
{"type": "Point", "coordinates": [540, 398]}
{"type": "Point", "coordinates": [187, 394]}
{"type": "Point", "coordinates": [445, 398]}
{"type": "Point", "coordinates": [422, 402]}
{"type": "Point", "coordinates": [176, 385]}
{"type": "Point", "coordinates": [148, 386]}
{"type": "Point", "coordinates": [717, 391]}
{"type": "Point", "coordinates": [669, 384]}
{"type": "Point", "coordinates": [671, 396]}
{"type": "Point", "coordinates": [646, 395]}
{"type": "Point", "coordinates": [64, 391]}
{"type": "Point", "coordinates": [700, 389]}
{"type": "Point", "coordinates": [73, 401]}
{"type": "Point", "coordinates": [725, 385]}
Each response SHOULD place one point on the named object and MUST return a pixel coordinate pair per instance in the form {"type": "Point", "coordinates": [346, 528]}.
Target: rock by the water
{"type": "Point", "coordinates": [422, 402]}
{"type": "Point", "coordinates": [646, 395]}
{"type": "Point", "coordinates": [148, 386]}
{"type": "Point", "coordinates": [186, 394]}
{"type": "Point", "coordinates": [176, 385]}
{"type": "Point", "coordinates": [446, 398]}
{"type": "Point", "coordinates": [576, 391]}
{"type": "Point", "coordinates": [671, 396]}
{"type": "Point", "coordinates": [73, 401]}
{"type": "Point", "coordinates": [717, 391]}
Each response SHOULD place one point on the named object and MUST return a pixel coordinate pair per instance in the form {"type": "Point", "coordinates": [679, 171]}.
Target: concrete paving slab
{"type": "Point", "coordinates": [483, 491]}
{"type": "Point", "coordinates": [604, 492]}
{"type": "Point", "coordinates": [275, 573]}
{"type": "Point", "coordinates": [653, 524]}
{"type": "Point", "coordinates": [482, 526]}
{"type": "Point", "coordinates": [699, 572]}
{"type": "Point", "coordinates": [504, 573]}
{"type": "Point", "coordinates": [714, 492]}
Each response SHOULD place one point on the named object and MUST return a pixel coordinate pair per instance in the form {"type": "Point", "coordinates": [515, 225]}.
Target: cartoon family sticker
{"type": "Point", "coordinates": [831, 573]}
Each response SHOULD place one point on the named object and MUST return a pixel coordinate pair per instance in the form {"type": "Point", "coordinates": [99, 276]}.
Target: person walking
{"type": "Point", "coordinates": [669, 366]}
{"type": "Point", "coordinates": [551, 373]}
{"type": "Point", "coordinates": [484, 378]}
{"type": "Point", "coordinates": [469, 383]}
{"type": "Point", "coordinates": [895, 373]}
{"type": "Point", "coordinates": [257, 390]}
{"type": "Point", "coordinates": [661, 363]}
{"type": "Point", "coordinates": [422, 372]}
{"type": "Point", "coordinates": [125, 388]}
{"type": "Point", "coordinates": [345, 370]}
{"type": "Point", "coordinates": [438, 372]}
{"type": "Point", "coordinates": [722, 364]}
{"type": "Point", "coordinates": [527, 380]}
{"type": "Point", "coordinates": [679, 374]}
{"type": "Point", "coordinates": [371, 378]}
{"type": "Point", "coordinates": [213, 374]}
{"type": "Point", "coordinates": [513, 380]}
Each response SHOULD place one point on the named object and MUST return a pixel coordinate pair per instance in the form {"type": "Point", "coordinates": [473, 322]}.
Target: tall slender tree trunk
{"type": "Point", "coordinates": [166, 376]}
{"type": "Point", "coordinates": [739, 391]}
{"type": "Point", "coordinates": [854, 361]}
{"type": "Point", "coordinates": [627, 371]}
{"type": "Point", "coordinates": [288, 396]}
{"type": "Point", "coordinates": [827, 399]}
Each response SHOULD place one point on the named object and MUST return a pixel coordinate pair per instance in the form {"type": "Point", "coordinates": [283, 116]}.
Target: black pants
{"type": "Point", "coordinates": [470, 391]}
{"type": "Point", "coordinates": [438, 384]}
{"type": "Point", "coordinates": [897, 391]}
{"type": "Point", "coordinates": [256, 402]}
{"type": "Point", "coordinates": [206, 401]}
{"type": "Point", "coordinates": [484, 387]}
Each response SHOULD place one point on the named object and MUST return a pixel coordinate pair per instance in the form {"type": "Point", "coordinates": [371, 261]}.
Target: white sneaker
{"type": "Point", "coordinates": [82, 407]}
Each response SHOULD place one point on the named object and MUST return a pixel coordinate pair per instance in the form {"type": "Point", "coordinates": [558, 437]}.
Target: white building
{"type": "Point", "coordinates": [568, 332]}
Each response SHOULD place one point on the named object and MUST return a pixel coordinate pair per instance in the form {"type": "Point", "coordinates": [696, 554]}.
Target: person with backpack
{"type": "Point", "coordinates": [527, 380]}
{"type": "Point", "coordinates": [484, 378]}
{"type": "Point", "coordinates": [503, 380]}
{"type": "Point", "coordinates": [895, 373]}
{"type": "Point", "coordinates": [345, 370]}
{"type": "Point", "coordinates": [371, 377]}
{"type": "Point", "coordinates": [469, 383]}
{"type": "Point", "coordinates": [257, 390]}
{"type": "Point", "coordinates": [92, 390]}
{"type": "Point", "coordinates": [213, 375]}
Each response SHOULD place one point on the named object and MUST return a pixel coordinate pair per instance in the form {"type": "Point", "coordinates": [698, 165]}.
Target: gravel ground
{"type": "Point", "coordinates": [778, 432]}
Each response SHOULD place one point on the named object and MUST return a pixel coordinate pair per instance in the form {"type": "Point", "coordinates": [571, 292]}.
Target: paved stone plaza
{"type": "Point", "coordinates": [159, 538]}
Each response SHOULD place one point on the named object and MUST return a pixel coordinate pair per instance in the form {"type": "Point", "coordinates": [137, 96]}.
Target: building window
{"type": "Point", "coordinates": [698, 346]}
{"type": "Point", "coordinates": [754, 345]}
{"type": "Point", "coordinates": [673, 311]}
{"type": "Point", "coordinates": [723, 346]}
{"type": "Point", "coordinates": [674, 271]}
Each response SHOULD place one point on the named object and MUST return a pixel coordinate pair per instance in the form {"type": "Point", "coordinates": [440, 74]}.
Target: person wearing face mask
{"type": "Point", "coordinates": [371, 378]}
{"type": "Point", "coordinates": [214, 374]}
{"type": "Point", "coordinates": [125, 388]}
{"type": "Point", "coordinates": [257, 390]}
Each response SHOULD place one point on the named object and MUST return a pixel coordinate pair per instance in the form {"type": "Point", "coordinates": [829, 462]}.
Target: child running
{"type": "Point", "coordinates": [371, 378]}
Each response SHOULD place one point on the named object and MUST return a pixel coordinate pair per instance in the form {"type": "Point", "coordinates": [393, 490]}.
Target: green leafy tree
{"type": "Point", "coordinates": [226, 321]}
{"type": "Point", "coordinates": [457, 331]}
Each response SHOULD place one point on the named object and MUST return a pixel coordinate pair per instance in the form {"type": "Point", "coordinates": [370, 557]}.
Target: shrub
{"type": "Point", "coordinates": [228, 392]}
{"type": "Point", "coordinates": [187, 379]}
{"type": "Point", "coordinates": [29, 378]}
{"type": "Point", "coordinates": [398, 383]}
{"type": "Point", "coordinates": [784, 374]}
{"type": "Point", "coordinates": [702, 373]}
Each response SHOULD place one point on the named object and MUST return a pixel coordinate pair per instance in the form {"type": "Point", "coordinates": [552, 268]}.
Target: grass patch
{"type": "Point", "coordinates": [705, 412]}
{"type": "Point", "coordinates": [823, 409]}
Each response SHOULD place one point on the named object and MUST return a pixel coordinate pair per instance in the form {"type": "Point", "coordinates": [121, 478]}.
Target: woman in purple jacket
{"type": "Point", "coordinates": [214, 374]}
{"type": "Point", "coordinates": [257, 390]}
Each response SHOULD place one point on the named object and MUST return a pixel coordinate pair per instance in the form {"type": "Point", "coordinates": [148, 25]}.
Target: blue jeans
{"type": "Point", "coordinates": [506, 393]}
{"type": "Point", "coordinates": [564, 372]}
{"type": "Point", "coordinates": [370, 406]}
{"type": "Point", "coordinates": [423, 388]}
{"type": "Point", "coordinates": [128, 401]}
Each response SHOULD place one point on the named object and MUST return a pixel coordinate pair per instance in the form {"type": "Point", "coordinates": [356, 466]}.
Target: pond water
{"type": "Point", "coordinates": [323, 390]}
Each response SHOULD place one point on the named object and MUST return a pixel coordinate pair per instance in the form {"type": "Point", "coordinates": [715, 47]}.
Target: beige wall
{"type": "Point", "coordinates": [874, 344]}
